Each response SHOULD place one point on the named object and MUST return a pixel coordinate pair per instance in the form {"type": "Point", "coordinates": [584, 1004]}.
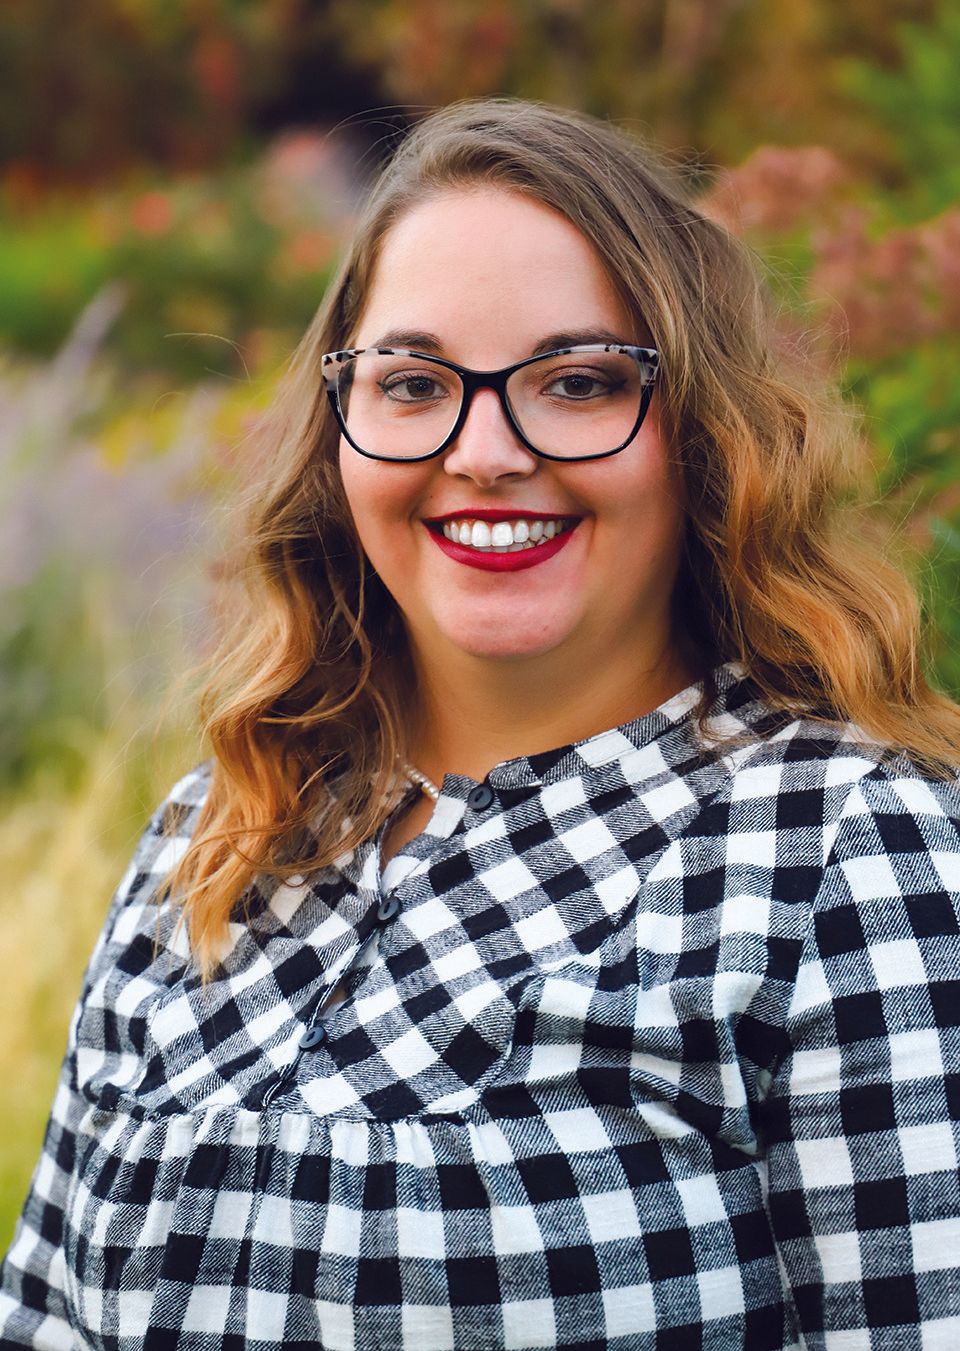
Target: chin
{"type": "Point", "coordinates": [507, 643]}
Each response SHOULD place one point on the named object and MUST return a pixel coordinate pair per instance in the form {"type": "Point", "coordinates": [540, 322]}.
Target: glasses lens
{"type": "Point", "coordinates": [398, 406]}
{"type": "Point", "coordinates": [579, 403]}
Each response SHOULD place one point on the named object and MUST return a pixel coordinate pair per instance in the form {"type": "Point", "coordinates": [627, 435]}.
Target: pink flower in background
{"type": "Point", "coordinates": [892, 292]}
{"type": "Point", "coordinates": [879, 293]}
{"type": "Point", "coordinates": [311, 179]}
{"type": "Point", "coordinates": [777, 188]}
{"type": "Point", "coordinates": [152, 213]}
{"type": "Point", "coordinates": [306, 251]}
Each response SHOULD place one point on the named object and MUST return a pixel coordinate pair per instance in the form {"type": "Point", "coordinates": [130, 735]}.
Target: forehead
{"type": "Point", "coordinates": [482, 263]}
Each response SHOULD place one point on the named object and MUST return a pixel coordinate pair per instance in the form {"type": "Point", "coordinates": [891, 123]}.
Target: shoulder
{"type": "Point", "coordinates": [173, 823]}
{"type": "Point", "coordinates": [885, 830]}
{"type": "Point", "coordinates": [141, 950]}
{"type": "Point", "coordinates": [168, 832]}
{"type": "Point", "coordinates": [797, 797]}
{"type": "Point", "coordinates": [134, 911]}
{"type": "Point", "coordinates": [819, 770]}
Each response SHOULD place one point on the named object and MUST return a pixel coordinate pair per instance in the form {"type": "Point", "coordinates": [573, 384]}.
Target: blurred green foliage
{"type": "Point", "coordinates": [916, 106]}
{"type": "Point", "coordinates": [710, 79]}
{"type": "Point", "coordinates": [911, 406]}
{"type": "Point", "coordinates": [53, 264]}
{"type": "Point", "coordinates": [210, 266]}
{"type": "Point", "coordinates": [88, 91]}
{"type": "Point", "coordinates": [93, 90]}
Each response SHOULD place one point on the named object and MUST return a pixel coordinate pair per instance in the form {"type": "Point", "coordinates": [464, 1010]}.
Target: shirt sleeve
{"type": "Point", "coordinates": [33, 1307]}
{"type": "Point", "coordinates": [861, 1118]}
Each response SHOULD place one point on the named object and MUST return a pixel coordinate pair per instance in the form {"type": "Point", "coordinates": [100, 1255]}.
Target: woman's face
{"type": "Point", "coordinates": [492, 275]}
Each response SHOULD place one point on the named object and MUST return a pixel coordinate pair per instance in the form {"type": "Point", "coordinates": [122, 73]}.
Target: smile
{"type": "Point", "coordinates": [504, 536]}
{"type": "Point", "coordinates": [501, 541]}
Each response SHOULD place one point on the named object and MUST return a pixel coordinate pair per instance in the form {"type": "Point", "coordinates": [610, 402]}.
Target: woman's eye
{"type": "Point", "coordinates": [577, 386]}
{"type": "Point", "coordinates": [415, 388]}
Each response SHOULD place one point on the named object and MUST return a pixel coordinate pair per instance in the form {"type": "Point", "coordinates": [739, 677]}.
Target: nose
{"type": "Point", "coordinates": [487, 448]}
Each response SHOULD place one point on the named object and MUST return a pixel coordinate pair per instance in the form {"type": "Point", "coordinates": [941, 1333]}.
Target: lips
{"type": "Point", "coordinates": [501, 539]}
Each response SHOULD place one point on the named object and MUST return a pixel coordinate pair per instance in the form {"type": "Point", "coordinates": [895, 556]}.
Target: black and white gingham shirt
{"type": "Point", "coordinates": [644, 1047]}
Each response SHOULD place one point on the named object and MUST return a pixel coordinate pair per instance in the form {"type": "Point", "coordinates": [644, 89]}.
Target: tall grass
{"type": "Point", "coordinates": [108, 503]}
{"type": "Point", "coordinates": [64, 851]}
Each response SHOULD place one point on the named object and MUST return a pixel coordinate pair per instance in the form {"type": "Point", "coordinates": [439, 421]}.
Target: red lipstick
{"type": "Point", "coordinates": [494, 514]}
{"type": "Point", "coordinates": [489, 561]}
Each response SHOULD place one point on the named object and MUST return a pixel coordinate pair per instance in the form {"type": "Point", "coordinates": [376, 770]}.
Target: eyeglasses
{"type": "Point", "coordinates": [578, 403]}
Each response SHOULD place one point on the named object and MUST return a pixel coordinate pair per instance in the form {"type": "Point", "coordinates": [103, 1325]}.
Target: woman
{"type": "Point", "coordinates": [571, 898]}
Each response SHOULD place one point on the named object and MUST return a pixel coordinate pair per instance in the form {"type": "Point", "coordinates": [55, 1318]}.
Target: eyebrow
{"type": "Point", "coordinates": [398, 337]}
{"type": "Point", "coordinates": [578, 338]}
{"type": "Point", "coordinates": [429, 343]}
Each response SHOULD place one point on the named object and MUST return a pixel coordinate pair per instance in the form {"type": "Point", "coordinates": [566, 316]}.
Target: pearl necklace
{"type": "Point", "coordinates": [425, 784]}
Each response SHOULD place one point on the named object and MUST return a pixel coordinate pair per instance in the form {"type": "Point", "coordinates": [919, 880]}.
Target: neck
{"type": "Point", "coordinates": [475, 713]}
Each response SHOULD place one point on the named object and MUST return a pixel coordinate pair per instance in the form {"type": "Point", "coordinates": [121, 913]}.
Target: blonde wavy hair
{"type": "Point", "coordinates": [782, 570]}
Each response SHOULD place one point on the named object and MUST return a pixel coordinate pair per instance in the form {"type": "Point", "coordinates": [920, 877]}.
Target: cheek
{"type": "Point", "coordinates": [381, 498]}
{"type": "Point", "coordinates": [363, 489]}
{"type": "Point", "coordinates": [353, 479]}
{"type": "Point", "coordinates": [640, 493]}
{"type": "Point", "coordinates": [646, 523]}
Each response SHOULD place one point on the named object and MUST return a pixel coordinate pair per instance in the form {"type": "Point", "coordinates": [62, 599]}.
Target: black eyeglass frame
{"type": "Point", "coordinates": [333, 362]}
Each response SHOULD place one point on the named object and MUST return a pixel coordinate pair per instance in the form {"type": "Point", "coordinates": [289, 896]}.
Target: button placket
{"type": "Point", "coordinates": [313, 1037]}
{"type": "Point", "coordinates": [480, 798]}
{"type": "Point", "coordinates": [388, 909]}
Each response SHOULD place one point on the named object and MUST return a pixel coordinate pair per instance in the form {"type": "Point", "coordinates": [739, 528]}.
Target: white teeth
{"type": "Point", "coordinates": [503, 536]}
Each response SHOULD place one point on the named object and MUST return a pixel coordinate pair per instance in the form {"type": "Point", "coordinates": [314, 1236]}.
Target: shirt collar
{"type": "Point", "coordinates": [658, 741]}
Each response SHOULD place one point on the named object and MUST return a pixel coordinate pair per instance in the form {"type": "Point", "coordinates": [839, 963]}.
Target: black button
{"type": "Point", "coordinates": [480, 798]}
{"type": "Point", "coordinates": [388, 909]}
{"type": "Point", "coordinates": [313, 1037]}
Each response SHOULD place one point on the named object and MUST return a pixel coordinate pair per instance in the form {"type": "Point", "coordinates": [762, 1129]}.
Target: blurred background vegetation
{"type": "Point", "coordinates": [176, 179]}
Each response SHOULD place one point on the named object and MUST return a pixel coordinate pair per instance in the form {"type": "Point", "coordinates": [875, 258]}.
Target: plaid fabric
{"type": "Point", "coordinates": [659, 1048]}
